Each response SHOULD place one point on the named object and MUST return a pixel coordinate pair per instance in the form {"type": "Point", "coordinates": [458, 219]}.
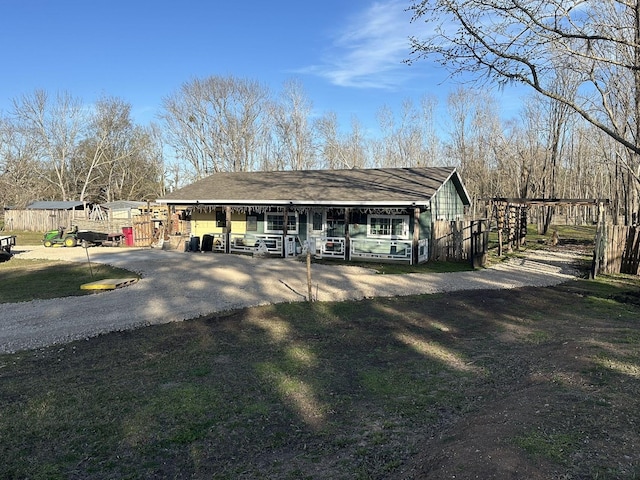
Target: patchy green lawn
{"type": "Point", "coordinates": [533, 383]}
{"type": "Point", "coordinates": [26, 238]}
{"type": "Point", "coordinates": [25, 280]}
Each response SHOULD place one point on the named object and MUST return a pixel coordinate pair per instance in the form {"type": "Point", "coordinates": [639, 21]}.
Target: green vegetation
{"type": "Point", "coordinates": [367, 389]}
{"type": "Point", "coordinates": [26, 238]}
{"type": "Point", "coordinates": [401, 268]}
{"type": "Point", "coordinates": [24, 280]}
{"type": "Point", "coordinates": [557, 447]}
{"type": "Point", "coordinates": [567, 234]}
{"type": "Point", "coordinates": [571, 234]}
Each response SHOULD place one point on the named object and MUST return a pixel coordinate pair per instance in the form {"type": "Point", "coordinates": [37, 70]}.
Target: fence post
{"type": "Point", "coordinates": [598, 252]}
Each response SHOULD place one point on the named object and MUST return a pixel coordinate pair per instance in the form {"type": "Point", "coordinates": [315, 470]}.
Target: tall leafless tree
{"type": "Point", "coordinates": [216, 123]}
{"type": "Point", "coordinates": [338, 149]}
{"type": "Point", "coordinates": [19, 178]}
{"type": "Point", "coordinates": [533, 42]}
{"type": "Point", "coordinates": [295, 144]}
{"type": "Point", "coordinates": [54, 129]}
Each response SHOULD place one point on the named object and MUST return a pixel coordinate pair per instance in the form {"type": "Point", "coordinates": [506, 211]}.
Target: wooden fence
{"type": "Point", "coordinates": [621, 250]}
{"type": "Point", "coordinates": [41, 220]}
{"type": "Point", "coordinates": [460, 241]}
{"type": "Point", "coordinates": [143, 230]}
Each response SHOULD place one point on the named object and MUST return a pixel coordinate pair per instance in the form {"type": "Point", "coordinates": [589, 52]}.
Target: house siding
{"type": "Point", "coordinates": [203, 223]}
{"type": "Point", "coordinates": [446, 204]}
{"type": "Point", "coordinates": [206, 222]}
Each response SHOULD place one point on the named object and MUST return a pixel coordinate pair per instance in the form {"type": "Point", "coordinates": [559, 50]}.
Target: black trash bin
{"type": "Point", "coordinates": [207, 243]}
{"type": "Point", "coordinates": [194, 244]}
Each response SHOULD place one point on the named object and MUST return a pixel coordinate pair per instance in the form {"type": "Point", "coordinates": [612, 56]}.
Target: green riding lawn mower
{"type": "Point", "coordinates": [60, 237]}
{"type": "Point", "coordinates": [72, 237]}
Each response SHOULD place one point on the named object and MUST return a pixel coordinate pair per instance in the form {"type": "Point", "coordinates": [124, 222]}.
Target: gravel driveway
{"type": "Point", "coordinates": [176, 286]}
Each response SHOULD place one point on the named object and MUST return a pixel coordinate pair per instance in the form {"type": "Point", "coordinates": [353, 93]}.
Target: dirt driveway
{"type": "Point", "coordinates": [176, 286]}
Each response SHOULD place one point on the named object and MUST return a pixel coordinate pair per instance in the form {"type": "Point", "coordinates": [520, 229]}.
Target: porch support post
{"type": "Point", "coordinates": [347, 237]}
{"type": "Point", "coordinates": [168, 223]}
{"type": "Point", "coordinates": [285, 230]}
{"type": "Point", "coordinates": [416, 236]}
{"type": "Point", "coordinates": [227, 228]}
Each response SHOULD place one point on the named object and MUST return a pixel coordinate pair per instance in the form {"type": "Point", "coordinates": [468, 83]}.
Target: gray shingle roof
{"type": "Point", "coordinates": [54, 205]}
{"type": "Point", "coordinates": [123, 204]}
{"type": "Point", "coordinates": [380, 186]}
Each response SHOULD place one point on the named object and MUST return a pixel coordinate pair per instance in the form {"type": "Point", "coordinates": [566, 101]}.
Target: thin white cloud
{"type": "Point", "coordinates": [369, 50]}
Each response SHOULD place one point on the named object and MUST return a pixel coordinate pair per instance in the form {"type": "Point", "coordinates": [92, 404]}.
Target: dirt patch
{"type": "Point", "coordinates": [536, 383]}
{"type": "Point", "coordinates": [560, 397]}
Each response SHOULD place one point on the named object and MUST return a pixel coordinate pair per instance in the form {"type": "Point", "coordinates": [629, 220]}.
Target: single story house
{"type": "Point", "coordinates": [358, 214]}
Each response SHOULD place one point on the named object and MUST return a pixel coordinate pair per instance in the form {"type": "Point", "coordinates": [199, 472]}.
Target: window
{"type": "Point", "coordinates": [335, 223]}
{"type": "Point", "coordinates": [221, 218]}
{"type": "Point", "coordinates": [317, 222]}
{"type": "Point", "coordinates": [389, 226]}
{"type": "Point", "coordinates": [252, 223]}
{"type": "Point", "coordinates": [274, 222]}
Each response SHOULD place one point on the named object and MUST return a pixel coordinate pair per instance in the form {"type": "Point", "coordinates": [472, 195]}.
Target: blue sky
{"type": "Point", "coordinates": [347, 53]}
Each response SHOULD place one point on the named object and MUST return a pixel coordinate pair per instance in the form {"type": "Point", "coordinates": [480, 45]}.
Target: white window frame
{"type": "Point", "coordinates": [281, 214]}
{"type": "Point", "coordinates": [405, 227]}
{"type": "Point", "coordinates": [323, 221]}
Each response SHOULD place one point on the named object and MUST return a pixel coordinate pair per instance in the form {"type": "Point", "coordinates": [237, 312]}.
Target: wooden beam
{"type": "Point", "coordinates": [550, 201]}
{"type": "Point", "coordinates": [416, 236]}
{"type": "Point", "coordinates": [227, 228]}
{"type": "Point", "coordinates": [347, 236]}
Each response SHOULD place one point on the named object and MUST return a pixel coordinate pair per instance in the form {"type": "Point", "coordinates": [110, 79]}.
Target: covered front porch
{"type": "Point", "coordinates": [394, 234]}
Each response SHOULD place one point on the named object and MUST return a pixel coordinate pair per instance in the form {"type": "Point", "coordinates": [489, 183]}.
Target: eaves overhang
{"type": "Point", "coordinates": [297, 203]}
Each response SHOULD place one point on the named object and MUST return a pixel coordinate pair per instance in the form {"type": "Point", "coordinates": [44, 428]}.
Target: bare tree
{"type": "Point", "coordinates": [527, 41]}
{"type": "Point", "coordinates": [19, 180]}
{"type": "Point", "coordinates": [108, 142]}
{"type": "Point", "coordinates": [295, 145]}
{"type": "Point", "coordinates": [401, 137]}
{"type": "Point", "coordinates": [355, 145]}
{"type": "Point", "coordinates": [341, 150]}
{"type": "Point", "coordinates": [215, 124]}
{"type": "Point", "coordinates": [432, 144]}
{"type": "Point", "coordinates": [138, 175]}
{"type": "Point", "coordinates": [474, 129]}
{"type": "Point", "coordinates": [534, 42]}
{"type": "Point", "coordinates": [409, 139]}
{"type": "Point", "coordinates": [54, 130]}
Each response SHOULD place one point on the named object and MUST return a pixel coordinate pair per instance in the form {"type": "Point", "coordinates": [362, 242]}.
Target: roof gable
{"type": "Point", "coordinates": [382, 186]}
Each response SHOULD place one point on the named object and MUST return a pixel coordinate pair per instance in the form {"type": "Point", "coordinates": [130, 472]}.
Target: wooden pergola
{"type": "Point", "coordinates": [512, 215]}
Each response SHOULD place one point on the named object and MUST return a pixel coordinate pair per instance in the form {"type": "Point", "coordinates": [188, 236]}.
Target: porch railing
{"type": "Point", "coordinates": [371, 248]}
{"type": "Point", "coordinates": [218, 241]}
{"type": "Point", "coordinates": [328, 247]}
{"type": "Point", "coordinates": [249, 242]}
{"type": "Point", "coordinates": [423, 250]}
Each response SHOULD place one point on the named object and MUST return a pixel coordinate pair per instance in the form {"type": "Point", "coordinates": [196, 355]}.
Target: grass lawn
{"type": "Point", "coordinates": [567, 235]}
{"type": "Point", "coordinates": [399, 268]}
{"type": "Point", "coordinates": [544, 382]}
{"type": "Point", "coordinates": [25, 280]}
{"type": "Point", "coordinates": [26, 238]}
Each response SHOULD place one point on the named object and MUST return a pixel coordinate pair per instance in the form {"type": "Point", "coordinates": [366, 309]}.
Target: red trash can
{"type": "Point", "coordinates": [128, 236]}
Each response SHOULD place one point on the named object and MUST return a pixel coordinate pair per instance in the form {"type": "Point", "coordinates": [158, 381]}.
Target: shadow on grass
{"type": "Point", "coordinates": [366, 389]}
